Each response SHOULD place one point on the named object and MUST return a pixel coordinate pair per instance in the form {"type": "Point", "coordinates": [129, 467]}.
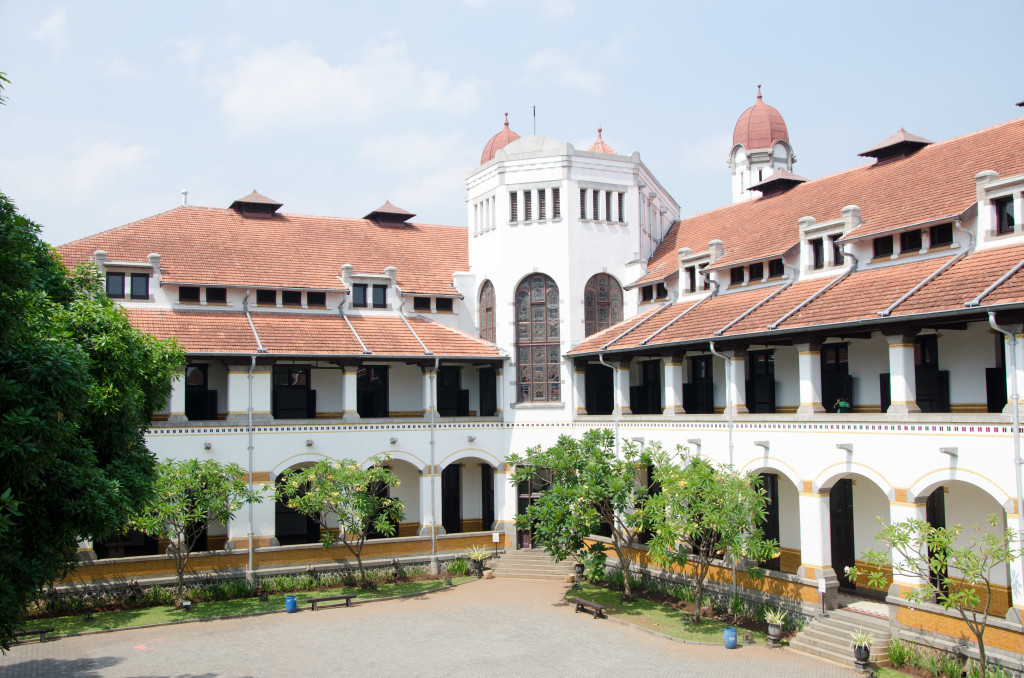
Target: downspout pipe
{"type": "Point", "coordinates": [250, 574]}
{"type": "Point", "coordinates": [1018, 465]}
{"type": "Point", "coordinates": [615, 401]}
{"type": "Point", "coordinates": [728, 408]}
{"type": "Point", "coordinates": [434, 565]}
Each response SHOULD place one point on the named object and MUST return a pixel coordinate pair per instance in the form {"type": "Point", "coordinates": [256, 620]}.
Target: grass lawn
{"type": "Point", "coordinates": [658, 617]}
{"type": "Point", "coordinates": [224, 608]}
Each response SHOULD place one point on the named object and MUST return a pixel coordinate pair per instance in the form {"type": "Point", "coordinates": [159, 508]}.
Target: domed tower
{"type": "Point", "coordinates": [760, 146]}
{"type": "Point", "coordinates": [499, 141]}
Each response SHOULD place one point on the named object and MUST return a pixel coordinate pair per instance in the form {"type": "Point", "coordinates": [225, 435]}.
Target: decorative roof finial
{"type": "Point", "coordinates": [758, 92]}
{"type": "Point", "coordinates": [598, 132]}
{"type": "Point", "coordinates": [506, 120]}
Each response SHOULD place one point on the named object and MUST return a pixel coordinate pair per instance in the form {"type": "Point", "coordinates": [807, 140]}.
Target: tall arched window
{"type": "Point", "coordinates": [537, 348]}
{"type": "Point", "coordinates": [602, 303]}
{"type": "Point", "coordinates": [487, 311]}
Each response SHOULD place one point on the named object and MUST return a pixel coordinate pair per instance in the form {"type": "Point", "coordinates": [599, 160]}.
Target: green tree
{"type": "Point", "coordinates": [950, 566]}
{"type": "Point", "coordinates": [78, 386]}
{"type": "Point", "coordinates": [705, 511]}
{"type": "Point", "coordinates": [355, 495]}
{"type": "Point", "coordinates": [187, 496]}
{"type": "Point", "coordinates": [589, 488]}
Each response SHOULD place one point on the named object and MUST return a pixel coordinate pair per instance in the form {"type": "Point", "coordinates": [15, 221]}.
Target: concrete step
{"type": "Point", "coordinates": [529, 564]}
{"type": "Point", "coordinates": [829, 637]}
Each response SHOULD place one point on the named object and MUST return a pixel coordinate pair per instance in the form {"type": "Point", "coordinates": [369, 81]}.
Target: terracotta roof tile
{"type": "Point", "coordinates": [213, 246]}
{"type": "Point", "coordinates": [198, 331]}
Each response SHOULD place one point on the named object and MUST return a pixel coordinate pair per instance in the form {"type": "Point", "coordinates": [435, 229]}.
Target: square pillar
{"type": "Point", "coordinates": [1015, 522]}
{"type": "Point", "coordinates": [177, 402]}
{"type": "Point", "coordinates": [622, 387]}
{"type": "Point", "coordinates": [816, 543]}
{"type": "Point", "coordinates": [579, 383]}
{"type": "Point", "coordinates": [429, 386]}
{"type": "Point", "coordinates": [673, 384]}
{"type": "Point", "coordinates": [902, 379]}
{"type": "Point", "coordinates": [238, 393]}
{"type": "Point", "coordinates": [499, 392]}
{"type": "Point", "coordinates": [900, 511]}
{"type": "Point", "coordinates": [430, 486]}
{"type": "Point", "coordinates": [349, 387]}
{"type": "Point", "coordinates": [809, 368]}
{"type": "Point", "coordinates": [263, 524]}
{"type": "Point", "coordinates": [1018, 356]}
{"type": "Point", "coordinates": [736, 380]}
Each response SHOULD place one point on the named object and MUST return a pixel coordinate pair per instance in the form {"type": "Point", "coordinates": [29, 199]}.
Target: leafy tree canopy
{"type": "Point", "coordinates": [77, 388]}
{"type": "Point", "coordinates": [187, 496]}
{"type": "Point", "coordinates": [356, 495]}
{"type": "Point", "coordinates": [586, 489]}
{"type": "Point", "coordinates": [706, 511]}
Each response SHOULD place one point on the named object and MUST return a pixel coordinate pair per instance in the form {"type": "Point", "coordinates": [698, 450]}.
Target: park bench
{"type": "Point", "coordinates": [584, 604]}
{"type": "Point", "coordinates": [316, 601]}
{"type": "Point", "coordinates": [35, 632]}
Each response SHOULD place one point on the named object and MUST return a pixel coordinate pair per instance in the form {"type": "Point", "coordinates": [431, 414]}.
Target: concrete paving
{"type": "Point", "coordinates": [484, 628]}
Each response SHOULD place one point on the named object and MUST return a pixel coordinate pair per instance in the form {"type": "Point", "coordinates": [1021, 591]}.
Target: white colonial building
{"type": "Point", "coordinates": [577, 297]}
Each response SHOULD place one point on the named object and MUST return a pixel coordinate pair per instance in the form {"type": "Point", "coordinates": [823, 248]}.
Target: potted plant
{"type": "Point", "coordinates": [477, 555]}
{"type": "Point", "coordinates": [861, 644]}
{"type": "Point", "coordinates": [775, 619]}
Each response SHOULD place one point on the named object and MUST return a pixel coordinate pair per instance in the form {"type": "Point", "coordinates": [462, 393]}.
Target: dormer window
{"type": "Point", "coordinates": [910, 241]}
{"type": "Point", "coordinates": [291, 298]}
{"type": "Point", "coordinates": [736, 275]}
{"type": "Point", "coordinates": [421, 304]}
{"type": "Point", "coordinates": [266, 297]}
{"type": "Point", "coordinates": [775, 268]}
{"type": "Point", "coordinates": [140, 286]}
{"type": "Point", "coordinates": [756, 272]}
{"type": "Point", "coordinates": [837, 249]}
{"type": "Point", "coordinates": [941, 235]}
{"type": "Point", "coordinates": [691, 278]}
{"type": "Point", "coordinates": [115, 285]}
{"type": "Point", "coordinates": [817, 254]}
{"type": "Point", "coordinates": [647, 293]}
{"type": "Point", "coordinates": [316, 299]}
{"type": "Point", "coordinates": [216, 295]}
{"type": "Point", "coordinates": [359, 295]}
{"type": "Point", "coordinates": [444, 304]}
{"type": "Point", "coordinates": [188, 295]}
{"type": "Point", "coordinates": [380, 296]}
{"type": "Point", "coordinates": [882, 247]}
{"type": "Point", "coordinates": [1004, 216]}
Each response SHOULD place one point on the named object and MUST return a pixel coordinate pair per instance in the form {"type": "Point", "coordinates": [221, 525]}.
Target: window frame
{"type": "Point", "coordinates": [596, 300]}
{"type": "Point", "coordinates": [220, 295]}
{"type": "Point", "coordinates": [316, 300]}
{"type": "Point", "coordinates": [264, 293]}
{"type": "Point", "coordinates": [188, 291]}
{"type": "Point", "coordinates": [538, 354]}
{"type": "Point", "coordinates": [907, 241]}
{"type": "Point", "coordinates": [933, 235]}
{"type": "Point", "coordinates": [485, 312]}
{"type": "Point", "coordinates": [737, 275]}
{"type": "Point", "coordinates": [882, 247]}
{"type": "Point", "coordinates": [144, 279]}
{"type": "Point", "coordinates": [1005, 222]}
{"type": "Point", "coordinates": [421, 304]}
{"type": "Point", "coordinates": [360, 299]}
{"type": "Point", "coordinates": [776, 271]}
{"type": "Point", "coordinates": [113, 293]}
{"type": "Point", "coordinates": [444, 304]}
{"type": "Point", "coordinates": [286, 298]}
{"type": "Point", "coordinates": [817, 246]}
{"type": "Point", "coordinates": [759, 268]}
{"type": "Point", "coordinates": [379, 296]}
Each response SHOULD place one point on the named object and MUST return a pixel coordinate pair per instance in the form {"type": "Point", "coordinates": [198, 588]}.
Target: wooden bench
{"type": "Point", "coordinates": [316, 601]}
{"type": "Point", "coordinates": [582, 605]}
{"type": "Point", "coordinates": [35, 632]}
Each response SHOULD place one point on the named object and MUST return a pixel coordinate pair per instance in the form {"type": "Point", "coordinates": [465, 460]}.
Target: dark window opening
{"type": "Point", "coordinates": [699, 392]}
{"type": "Point", "coordinates": [115, 285]}
{"type": "Point", "coordinates": [599, 389]}
{"type": "Point", "coordinates": [836, 382]}
{"type": "Point", "coordinates": [444, 304]}
{"type": "Point", "coordinates": [607, 206]}
{"type": "Point", "coordinates": [216, 295]}
{"type": "Point", "coordinates": [817, 253]}
{"type": "Point", "coordinates": [452, 399]}
{"type": "Point", "coordinates": [372, 391]}
{"type": "Point", "coordinates": [292, 397]}
{"type": "Point", "coordinates": [513, 206]}
{"type": "Point", "coordinates": [770, 526]}
{"type": "Point", "coordinates": [131, 543]}
{"type": "Point", "coordinates": [596, 215]}
{"type": "Point", "coordinates": [761, 382]}
{"type": "Point", "coordinates": [583, 203]}
{"type": "Point", "coordinates": [837, 250]}
{"type": "Point", "coordinates": [421, 304]}
{"type": "Point", "coordinates": [882, 247]}
{"type": "Point", "coordinates": [188, 295]}
{"type": "Point", "coordinates": [737, 275]}
{"type": "Point", "coordinates": [528, 205]}
{"type": "Point", "coordinates": [542, 204]}
{"type": "Point", "coordinates": [941, 235]}
{"type": "Point", "coordinates": [291, 298]}
{"type": "Point", "coordinates": [200, 401]}
{"type": "Point", "coordinates": [775, 268]}
{"type": "Point", "coordinates": [622, 207]}
{"type": "Point", "coordinates": [691, 278]}
{"type": "Point", "coordinates": [756, 272]}
{"type": "Point", "coordinates": [910, 241]}
{"type": "Point", "coordinates": [1004, 216]}
{"type": "Point", "coordinates": [140, 286]}
{"type": "Point", "coordinates": [451, 498]}
{"type": "Point", "coordinates": [645, 398]}
{"type": "Point", "coordinates": [646, 292]}
{"type": "Point", "coordinates": [706, 284]}
{"type": "Point", "coordinates": [316, 299]}
{"type": "Point", "coordinates": [380, 296]}
{"type": "Point", "coordinates": [266, 297]}
{"type": "Point", "coordinates": [556, 204]}
{"type": "Point", "coordinates": [660, 291]}
{"type": "Point", "coordinates": [359, 295]}
{"type": "Point", "coordinates": [292, 527]}
{"type": "Point", "coordinates": [488, 381]}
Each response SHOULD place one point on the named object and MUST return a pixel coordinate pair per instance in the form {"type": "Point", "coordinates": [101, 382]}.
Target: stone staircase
{"type": "Point", "coordinates": [529, 564]}
{"type": "Point", "coordinates": [829, 637]}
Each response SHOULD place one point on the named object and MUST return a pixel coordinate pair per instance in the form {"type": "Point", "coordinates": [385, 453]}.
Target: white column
{"type": "Point", "coordinates": [238, 393]}
{"type": "Point", "coordinates": [1019, 357]}
{"type": "Point", "coordinates": [579, 383]}
{"type": "Point", "coordinates": [430, 486]}
{"type": "Point", "coordinates": [809, 367]}
{"type": "Point", "coordinates": [736, 380]}
{"type": "Point", "coordinates": [499, 391]}
{"type": "Point", "coordinates": [263, 525]}
{"type": "Point", "coordinates": [816, 543]}
{"type": "Point", "coordinates": [622, 387]}
{"type": "Point", "coordinates": [349, 387]}
{"type": "Point", "coordinates": [505, 504]}
{"type": "Point", "coordinates": [177, 408]}
{"type": "Point", "coordinates": [900, 511]}
{"type": "Point", "coordinates": [902, 384]}
{"type": "Point", "coordinates": [673, 384]}
{"type": "Point", "coordinates": [428, 384]}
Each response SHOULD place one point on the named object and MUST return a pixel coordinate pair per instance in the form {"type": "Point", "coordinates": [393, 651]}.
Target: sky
{"type": "Point", "coordinates": [334, 107]}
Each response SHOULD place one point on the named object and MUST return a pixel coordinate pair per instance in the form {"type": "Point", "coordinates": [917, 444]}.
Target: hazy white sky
{"type": "Point", "coordinates": [334, 107]}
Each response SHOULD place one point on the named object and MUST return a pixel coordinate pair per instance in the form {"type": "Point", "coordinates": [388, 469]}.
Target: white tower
{"type": "Point", "coordinates": [760, 147]}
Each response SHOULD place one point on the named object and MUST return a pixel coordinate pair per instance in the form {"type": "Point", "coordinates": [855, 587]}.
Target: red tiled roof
{"type": "Point", "coordinates": [759, 126]}
{"type": "Point", "coordinates": [601, 146]}
{"type": "Point", "coordinates": [503, 138]}
{"type": "Point", "coordinates": [932, 183]}
{"type": "Point", "coordinates": [213, 246]}
{"type": "Point", "coordinates": [308, 334]}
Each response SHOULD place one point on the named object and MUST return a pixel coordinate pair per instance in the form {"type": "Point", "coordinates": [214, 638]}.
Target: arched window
{"type": "Point", "coordinates": [602, 303]}
{"type": "Point", "coordinates": [487, 311]}
{"type": "Point", "coordinates": [537, 347]}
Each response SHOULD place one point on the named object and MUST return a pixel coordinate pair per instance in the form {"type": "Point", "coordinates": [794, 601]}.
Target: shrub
{"type": "Point", "coordinates": [457, 568]}
{"type": "Point", "coordinates": [898, 652]}
{"type": "Point", "coordinates": [949, 666]}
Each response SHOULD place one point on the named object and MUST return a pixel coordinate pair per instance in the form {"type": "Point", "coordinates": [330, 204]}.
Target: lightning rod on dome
{"type": "Point", "coordinates": [534, 121]}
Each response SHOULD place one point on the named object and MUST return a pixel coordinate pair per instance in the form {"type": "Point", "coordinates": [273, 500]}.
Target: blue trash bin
{"type": "Point", "coordinates": [290, 606]}
{"type": "Point", "coordinates": [730, 637]}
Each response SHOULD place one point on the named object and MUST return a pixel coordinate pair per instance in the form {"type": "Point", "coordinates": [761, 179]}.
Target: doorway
{"type": "Point", "coordinates": [841, 515]}
{"type": "Point", "coordinates": [451, 498]}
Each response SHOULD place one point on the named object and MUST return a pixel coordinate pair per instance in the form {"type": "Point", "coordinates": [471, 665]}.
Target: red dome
{"type": "Point", "coordinates": [760, 126]}
{"type": "Point", "coordinates": [498, 142]}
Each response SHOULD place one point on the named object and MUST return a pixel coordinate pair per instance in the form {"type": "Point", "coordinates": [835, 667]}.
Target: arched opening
{"type": "Point", "coordinates": [602, 303]}
{"type": "Point", "coordinates": [537, 340]}
{"type": "Point", "coordinates": [468, 496]}
{"type": "Point", "coordinates": [855, 503]}
{"type": "Point", "coordinates": [486, 311]}
{"type": "Point", "coordinates": [290, 526]}
{"type": "Point", "coordinates": [782, 522]}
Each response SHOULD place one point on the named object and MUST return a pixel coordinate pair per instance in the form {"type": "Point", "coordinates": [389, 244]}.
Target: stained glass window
{"type": "Point", "coordinates": [602, 303]}
{"type": "Point", "coordinates": [537, 340]}
{"type": "Point", "coordinates": [487, 311]}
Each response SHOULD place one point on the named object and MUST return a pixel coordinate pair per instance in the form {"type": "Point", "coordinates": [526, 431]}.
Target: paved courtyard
{"type": "Point", "coordinates": [499, 627]}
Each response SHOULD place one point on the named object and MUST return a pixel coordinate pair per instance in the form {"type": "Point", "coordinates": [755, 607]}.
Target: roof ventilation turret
{"type": "Point", "coordinates": [389, 214]}
{"type": "Point", "coordinates": [777, 182]}
{"type": "Point", "coordinates": [899, 145]}
{"type": "Point", "coordinates": [256, 205]}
